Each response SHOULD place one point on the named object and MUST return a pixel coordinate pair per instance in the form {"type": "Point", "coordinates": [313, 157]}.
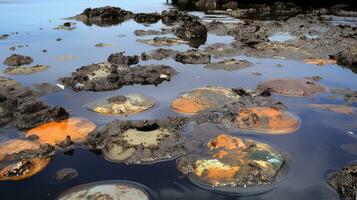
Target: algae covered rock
{"type": "Point", "coordinates": [121, 59]}
{"type": "Point", "coordinates": [122, 105]}
{"type": "Point", "coordinates": [229, 65]}
{"type": "Point", "coordinates": [345, 182]}
{"type": "Point", "coordinates": [139, 141]}
{"type": "Point", "coordinates": [193, 31]}
{"type": "Point", "coordinates": [25, 70]}
{"type": "Point", "coordinates": [18, 60]}
{"type": "Point", "coordinates": [193, 57]}
{"type": "Point", "coordinates": [233, 162]}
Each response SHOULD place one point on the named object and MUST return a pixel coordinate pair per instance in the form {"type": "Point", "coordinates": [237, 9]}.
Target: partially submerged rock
{"type": "Point", "coordinates": [107, 190]}
{"type": "Point", "coordinates": [141, 32]}
{"type": "Point", "coordinates": [147, 18]}
{"type": "Point", "coordinates": [139, 141]}
{"type": "Point", "coordinates": [162, 41]}
{"type": "Point", "coordinates": [121, 59]}
{"type": "Point", "coordinates": [344, 182]}
{"type": "Point", "coordinates": [173, 16]}
{"type": "Point", "coordinates": [67, 26]}
{"type": "Point", "coordinates": [292, 87]}
{"type": "Point", "coordinates": [342, 109]}
{"type": "Point", "coordinates": [22, 109]}
{"type": "Point", "coordinates": [66, 174]}
{"type": "Point", "coordinates": [103, 45]}
{"type": "Point", "coordinates": [267, 120]}
{"type": "Point", "coordinates": [16, 146]}
{"type": "Point", "coordinates": [229, 65]}
{"type": "Point", "coordinates": [347, 58]}
{"type": "Point", "coordinates": [103, 16]}
{"type": "Point", "coordinates": [55, 132]}
{"type": "Point", "coordinates": [122, 104]}
{"type": "Point", "coordinates": [218, 50]}
{"type": "Point", "coordinates": [159, 54]}
{"type": "Point", "coordinates": [18, 60]}
{"type": "Point", "coordinates": [320, 61]}
{"type": "Point", "coordinates": [193, 57]}
{"type": "Point", "coordinates": [233, 162]}
{"type": "Point", "coordinates": [105, 76]}
{"type": "Point", "coordinates": [203, 98]}
{"type": "Point", "coordinates": [4, 36]}
{"type": "Point", "coordinates": [348, 95]}
{"type": "Point", "coordinates": [26, 70]}
{"type": "Point", "coordinates": [193, 31]}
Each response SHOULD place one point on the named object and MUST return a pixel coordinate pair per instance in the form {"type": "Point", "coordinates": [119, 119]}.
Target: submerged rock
{"type": "Point", "coordinates": [122, 105]}
{"type": "Point", "coordinates": [139, 141]}
{"type": "Point", "coordinates": [193, 31]}
{"type": "Point", "coordinates": [348, 95]}
{"type": "Point", "coordinates": [159, 54]}
{"type": "Point", "coordinates": [203, 98]}
{"type": "Point", "coordinates": [103, 45]}
{"type": "Point", "coordinates": [344, 182]}
{"type": "Point", "coordinates": [193, 57]}
{"type": "Point", "coordinates": [120, 59]}
{"type": "Point", "coordinates": [141, 32]}
{"type": "Point", "coordinates": [104, 16]}
{"type": "Point", "coordinates": [67, 57]}
{"type": "Point", "coordinates": [105, 76]}
{"type": "Point", "coordinates": [147, 18]}
{"type": "Point", "coordinates": [292, 87]}
{"type": "Point", "coordinates": [267, 120]}
{"type": "Point", "coordinates": [26, 70]}
{"type": "Point", "coordinates": [342, 109]}
{"type": "Point", "coordinates": [233, 162]}
{"type": "Point", "coordinates": [229, 65]}
{"type": "Point", "coordinates": [55, 132]}
{"type": "Point", "coordinates": [107, 190]}
{"type": "Point", "coordinates": [162, 41]}
{"type": "Point", "coordinates": [66, 174]}
{"type": "Point", "coordinates": [22, 109]}
{"type": "Point", "coordinates": [18, 60]}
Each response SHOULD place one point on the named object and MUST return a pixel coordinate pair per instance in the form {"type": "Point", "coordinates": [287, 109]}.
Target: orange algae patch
{"type": "Point", "coordinates": [187, 106]}
{"type": "Point", "coordinates": [55, 132]}
{"type": "Point", "coordinates": [23, 169]}
{"type": "Point", "coordinates": [321, 61]}
{"type": "Point", "coordinates": [17, 146]}
{"type": "Point", "coordinates": [342, 109]}
{"type": "Point", "coordinates": [267, 120]}
{"type": "Point", "coordinates": [227, 142]}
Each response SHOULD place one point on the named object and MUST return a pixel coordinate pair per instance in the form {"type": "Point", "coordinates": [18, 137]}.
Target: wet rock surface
{"type": "Point", "coordinates": [66, 174]}
{"type": "Point", "coordinates": [104, 16]}
{"type": "Point", "coordinates": [121, 59]}
{"type": "Point", "coordinates": [193, 31]}
{"type": "Point", "coordinates": [22, 109]}
{"type": "Point", "coordinates": [233, 162]}
{"type": "Point", "coordinates": [17, 60]}
{"type": "Point", "coordinates": [67, 26]}
{"type": "Point", "coordinates": [141, 32]}
{"type": "Point", "coordinates": [139, 141]}
{"type": "Point", "coordinates": [347, 58]}
{"type": "Point", "coordinates": [344, 182]}
{"type": "Point", "coordinates": [105, 76]}
{"type": "Point", "coordinates": [292, 87]}
{"type": "Point", "coordinates": [229, 65]}
{"type": "Point", "coordinates": [163, 41]}
{"type": "Point", "coordinates": [159, 54]}
{"type": "Point", "coordinates": [193, 57]}
{"type": "Point", "coordinates": [173, 16]}
{"type": "Point", "coordinates": [26, 70]}
{"type": "Point", "coordinates": [148, 18]}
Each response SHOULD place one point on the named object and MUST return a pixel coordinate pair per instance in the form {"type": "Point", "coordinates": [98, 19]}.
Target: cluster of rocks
{"type": "Point", "coordinates": [15, 62]}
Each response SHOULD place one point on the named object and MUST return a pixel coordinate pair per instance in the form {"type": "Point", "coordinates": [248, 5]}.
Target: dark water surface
{"type": "Point", "coordinates": [314, 150]}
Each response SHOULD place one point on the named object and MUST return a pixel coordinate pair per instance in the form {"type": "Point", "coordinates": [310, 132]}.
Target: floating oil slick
{"type": "Point", "coordinates": [122, 105]}
{"type": "Point", "coordinates": [122, 190]}
{"type": "Point", "coordinates": [233, 162]}
{"type": "Point", "coordinates": [55, 132]}
{"type": "Point", "coordinates": [23, 169]}
{"type": "Point", "coordinates": [267, 120]}
{"type": "Point", "coordinates": [292, 87]}
{"type": "Point", "coordinates": [203, 98]}
{"type": "Point", "coordinates": [16, 146]}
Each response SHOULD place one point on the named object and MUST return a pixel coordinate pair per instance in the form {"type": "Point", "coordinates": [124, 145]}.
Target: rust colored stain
{"type": "Point", "coordinates": [55, 132]}
{"type": "Point", "coordinates": [187, 106]}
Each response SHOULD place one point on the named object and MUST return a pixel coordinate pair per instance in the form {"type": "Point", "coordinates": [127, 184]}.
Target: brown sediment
{"type": "Point", "coordinates": [267, 120]}
{"type": "Point", "coordinates": [55, 132]}
{"type": "Point", "coordinates": [320, 61]}
{"type": "Point", "coordinates": [23, 169]}
{"type": "Point", "coordinates": [342, 109]}
{"type": "Point", "coordinates": [16, 146]}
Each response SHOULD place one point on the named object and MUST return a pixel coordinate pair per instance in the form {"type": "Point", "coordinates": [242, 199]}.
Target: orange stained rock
{"type": "Point", "coordinates": [267, 120]}
{"type": "Point", "coordinates": [216, 174]}
{"type": "Point", "coordinates": [220, 154]}
{"type": "Point", "coordinates": [227, 142]}
{"type": "Point", "coordinates": [35, 165]}
{"type": "Point", "coordinates": [321, 61]}
{"type": "Point", "coordinates": [17, 146]}
{"type": "Point", "coordinates": [187, 106]}
{"type": "Point", "coordinates": [342, 109]}
{"type": "Point", "coordinates": [55, 132]}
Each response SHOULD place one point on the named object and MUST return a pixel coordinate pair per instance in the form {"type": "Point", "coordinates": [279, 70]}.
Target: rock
{"type": "Point", "coordinates": [54, 133]}
{"type": "Point", "coordinates": [22, 109]}
{"type": "Point", "coordinates": [45, 88]}
{"type": "Point", "coordinates": [16, 146]}
{"type": "Point", "coordinates": [347, 58]}
{"type": "Point", "coordinates": [172, 16]}
{"type": "Point", "coordinates": [103, 45]}
{"type": "Point", "coordinates": [162, 41]}
{"type": "Point", "coordinates": [342, 109]}
{"type": "Point", "coordinates": [159, 54]}
{"type": "Point", "coordinates": [233, 162]}
{"type": "Point", "coordinates": [141, 32]}
{"type": "Point", "coordinates": [229, 65]}
{"type": "Point", "coordinates": [207, 4]}
{"type": "Point", "coordinates": [104, 16]}
{"type": "Point", "coordinates": [139, 141]}
{"type": "Point", "coordinates": [147, 18]}
{"type": "Point", "coordinates": [105, 76]}
{"type": "Point", "coordinates": [58, 39]}
{"type": "Point", "coordinates": [67, 57]}
{"type": "Point", "coordinates": [218, 50]}
{"type": "Point", "coordinates": [292, 87]}
{"type": "Point", "coordinates": [66, 174]}
{"type": "Point", "coordinates": [68, 26]}
{"type": "Point", "coordinates": [120, 59]}
{"type": "Point", "coordinates": [4, 36]}
{"type": "Point", "coordinates": [344, 182]}
{"type": "Point", "coordinates": [25, 70]}
{"type": "Point", "coordinates": [193, 57]}
{"type": "Point", "coordinates": [18, 60]}
{"type": "Point", "coordinates": [193, 31]}
{"type": "Point", "coordinates": [107, 190]}
{"type": "Point", "coordinates": [320, 61]}
{"type": "Point", "coordinates": [348, 95]}
{"type": "Point", "coordinates": [122, 105]}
